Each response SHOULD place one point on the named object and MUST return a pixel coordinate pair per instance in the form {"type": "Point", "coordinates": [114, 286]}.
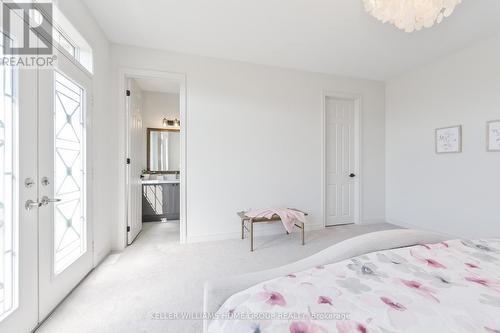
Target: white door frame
{"type": "Point", "coordinates": [358, 151]}
{"type": "Point", "coordinates": [123, 75]}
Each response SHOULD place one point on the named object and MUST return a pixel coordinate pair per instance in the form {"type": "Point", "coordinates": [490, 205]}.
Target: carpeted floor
{"type": "Point", "coordinates": [156, 274]}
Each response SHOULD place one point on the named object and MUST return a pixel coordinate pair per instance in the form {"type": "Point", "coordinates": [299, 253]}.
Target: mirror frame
{"type": "Point", "coordinates": [148, 146]}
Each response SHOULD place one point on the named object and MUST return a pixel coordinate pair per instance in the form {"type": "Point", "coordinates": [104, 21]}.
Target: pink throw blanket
{"type": "Point", "coordinates": [287, 216]}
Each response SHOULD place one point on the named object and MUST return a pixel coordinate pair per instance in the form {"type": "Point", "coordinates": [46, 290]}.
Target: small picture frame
{"type": "Point", "coordinates": [449, 140]}
{"type": "Point", "coordinates": [493, 136]}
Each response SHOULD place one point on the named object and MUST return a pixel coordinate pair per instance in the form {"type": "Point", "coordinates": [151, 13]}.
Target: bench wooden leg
{"type": "Point", "coordinates": [303, 227]}
{"type": "Point", "coordinates": [251, 235]}
{"type": "Point", "coordinates": [242, 229]}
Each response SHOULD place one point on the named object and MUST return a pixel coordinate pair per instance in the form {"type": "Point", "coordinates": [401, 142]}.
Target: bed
{"type": "Point", "coordinates": [383, 282]}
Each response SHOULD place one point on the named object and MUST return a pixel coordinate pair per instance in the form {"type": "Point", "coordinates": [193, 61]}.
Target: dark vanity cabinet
{"type": "Point", "coordinates": [173, 206]}
{"type": "Point", "coordinates": [160, 201]}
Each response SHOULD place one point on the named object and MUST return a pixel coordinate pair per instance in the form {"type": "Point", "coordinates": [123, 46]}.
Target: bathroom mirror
{"type": "Point", "coordinates": [163, 150]}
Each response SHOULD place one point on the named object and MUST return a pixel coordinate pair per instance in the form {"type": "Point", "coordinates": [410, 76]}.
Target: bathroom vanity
{"type": "Point", "coordinates": [160, 184]}
{"type": "Point", "coordinates": [160, 200]}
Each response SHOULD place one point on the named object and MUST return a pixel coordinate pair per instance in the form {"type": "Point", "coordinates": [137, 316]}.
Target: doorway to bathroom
{"type": "Point", "coordinates": [154, 174]}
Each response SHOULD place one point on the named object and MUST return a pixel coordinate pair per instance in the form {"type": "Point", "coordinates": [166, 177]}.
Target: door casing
{"type": "Point", "coordinates": [180, 78]}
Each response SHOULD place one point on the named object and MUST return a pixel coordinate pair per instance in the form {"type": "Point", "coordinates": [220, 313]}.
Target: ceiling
{"type": "Point", "coordinates": [158, 85]}
{"type": "Point", "coordinates": [329, 36]}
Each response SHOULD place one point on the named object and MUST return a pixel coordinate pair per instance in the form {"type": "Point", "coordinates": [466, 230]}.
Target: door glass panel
{"type": "Point", "coordinates": [69, 168]}
{"type": "Point", "coordinates": [9, 259]}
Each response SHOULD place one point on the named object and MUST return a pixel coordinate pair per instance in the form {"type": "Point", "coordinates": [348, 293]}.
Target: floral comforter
{"type": "Point", "coordinates": [452, 286]}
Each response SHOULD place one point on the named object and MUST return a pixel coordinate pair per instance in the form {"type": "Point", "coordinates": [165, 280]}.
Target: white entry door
{"type": "Point", "coordinates": [65, 238]}
{"type": "Point", "coordinates": [341, 174]}
{"type": "Point", "coordinates": [45, 231]}
{"type": "Point", "coordinates": [18, 187]}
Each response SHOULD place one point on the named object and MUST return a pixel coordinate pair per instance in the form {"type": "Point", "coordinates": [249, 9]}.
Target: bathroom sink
{"type": "Point", "coordinates": [170, 177]}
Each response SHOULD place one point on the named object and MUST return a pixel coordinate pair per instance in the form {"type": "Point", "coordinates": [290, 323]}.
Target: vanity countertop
{"type": "Point", "coordinates": [160, 181]}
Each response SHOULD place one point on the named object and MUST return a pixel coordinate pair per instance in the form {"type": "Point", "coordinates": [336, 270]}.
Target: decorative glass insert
{"type": "Point", "coordinates": [9, 228]}
{"type": "Point", "coordinates": [69, 168]}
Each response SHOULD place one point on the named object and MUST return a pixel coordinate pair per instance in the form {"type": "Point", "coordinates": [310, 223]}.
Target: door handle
{"type": "Point", "coordinates": [29, 182]}
{"type": "Point", "coordinates": [45, 181]}
{"type": "Point", "coordinates": [352, 175]}
{"type": "Point", "coordinates": [46, 200]}
{"type": "Point", "coordinates": [30, 204]}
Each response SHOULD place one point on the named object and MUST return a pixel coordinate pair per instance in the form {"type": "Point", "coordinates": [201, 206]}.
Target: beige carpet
{"type": "Point", "coordinates": [156, 274]}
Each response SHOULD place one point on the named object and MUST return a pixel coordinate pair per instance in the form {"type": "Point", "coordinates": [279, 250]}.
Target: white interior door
{"type": "Point", "coordinates": [65, 238]}
{"type": "Point", "coordinates": [18, 184]}
{"type": "Point", "coordinates": [134, 168]}
{"type": "Point", "coordinates": [341, 163]}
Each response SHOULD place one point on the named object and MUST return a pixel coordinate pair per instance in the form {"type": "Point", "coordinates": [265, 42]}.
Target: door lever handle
{"type": "Point", "coordinates": [30, 204]}
{"type": "Point", "coordinates": [46, 200]}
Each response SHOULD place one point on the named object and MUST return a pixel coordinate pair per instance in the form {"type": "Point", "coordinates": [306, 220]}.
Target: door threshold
{"type": "Point", "coordinates": [58, 304]}
{"type": "Point", "coordinates": [338, 225]}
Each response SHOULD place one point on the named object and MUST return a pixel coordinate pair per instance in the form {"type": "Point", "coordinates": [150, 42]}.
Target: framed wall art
{"type": "Point", "coordinates": [493, 135]}
{"type": "Point", "coordinates": [449, 140]}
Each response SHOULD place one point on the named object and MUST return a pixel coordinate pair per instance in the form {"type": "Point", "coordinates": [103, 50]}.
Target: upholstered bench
{"type": "Point", "coordinates": [275, 218]}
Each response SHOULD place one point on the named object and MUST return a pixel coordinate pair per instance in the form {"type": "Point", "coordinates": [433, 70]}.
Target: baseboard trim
{"type": "Point", "coordinates": [101, 256]}
{"type": "Point", "coordinates": [407, 225]}
{"type": "Point", "coordinates": [372, 221]}
{"type": "Point", "coordinates": [237, 235]}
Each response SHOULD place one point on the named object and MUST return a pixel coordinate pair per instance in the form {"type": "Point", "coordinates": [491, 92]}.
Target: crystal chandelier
{"type": "Point", "coordinates": [410, 15]}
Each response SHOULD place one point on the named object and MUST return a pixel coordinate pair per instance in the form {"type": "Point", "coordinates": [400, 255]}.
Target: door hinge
{"type": "Point", "coordinates": [128, 160]}
{"type": "Point", "coordinates": [127, 92]}
{"type": "Point", "coordinates": [128, 228]}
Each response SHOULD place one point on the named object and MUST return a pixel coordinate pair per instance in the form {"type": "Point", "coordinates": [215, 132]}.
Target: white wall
{"type": "Point", "coordinates": [104, 127]}
{"type": "Point", "coordinates": [158, 105]}
{"type": "Point", "coordinates": [456, 193]}
{"type": "Point", "coordinates": [254, 138]}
